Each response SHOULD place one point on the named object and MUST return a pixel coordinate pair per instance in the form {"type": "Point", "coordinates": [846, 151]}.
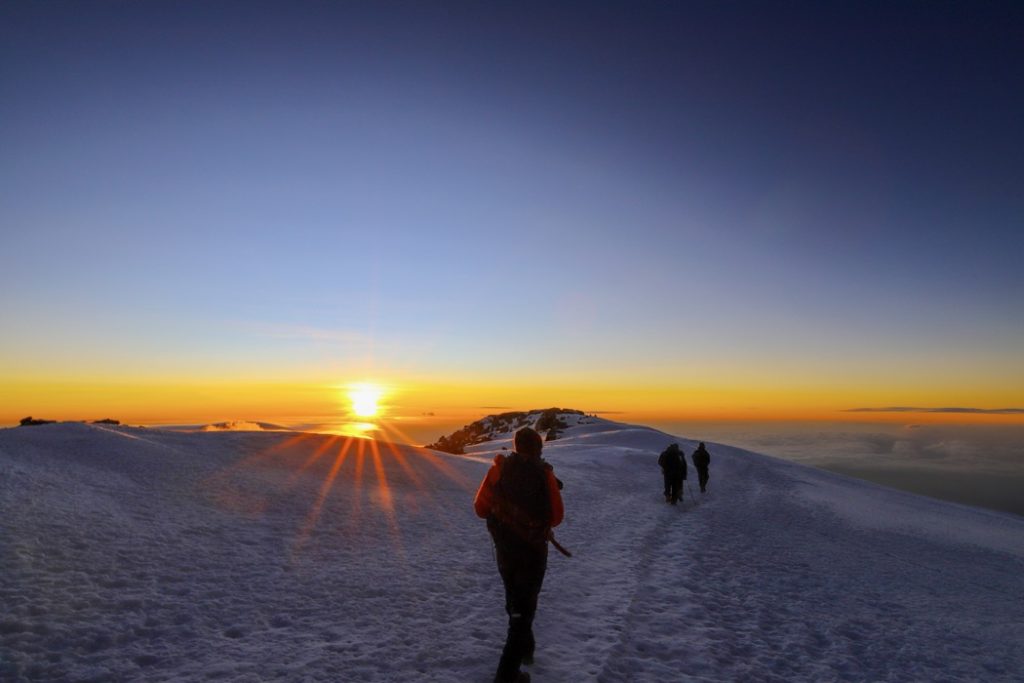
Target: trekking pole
{"type": "Point", "coordinates": [558, 546]}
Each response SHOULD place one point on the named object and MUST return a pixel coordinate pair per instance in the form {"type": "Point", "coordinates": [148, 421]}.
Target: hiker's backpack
{"type": "Point", "coordinates": [521, 505]}
{"type": "Point", "coordinates": [671, 460]}
{"type": "Point", "coordinates": [701, 458]}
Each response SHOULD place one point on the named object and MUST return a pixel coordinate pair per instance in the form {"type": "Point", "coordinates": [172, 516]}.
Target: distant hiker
{"type": "Point", "coordinates": [673, 470]}
{"type": "Point", "coordinates": [701, 460]}
{"type": "Point", "coordinates": [519, 497]}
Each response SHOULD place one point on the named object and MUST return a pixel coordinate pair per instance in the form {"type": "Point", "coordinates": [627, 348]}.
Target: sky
{"type": "Point", "coordinates": [745, 211]}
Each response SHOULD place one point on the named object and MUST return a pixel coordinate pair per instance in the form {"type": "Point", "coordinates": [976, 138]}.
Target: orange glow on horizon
{"type": "Point", "coordinates": [425, 401]}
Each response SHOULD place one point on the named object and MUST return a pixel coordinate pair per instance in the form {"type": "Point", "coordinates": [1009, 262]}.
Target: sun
{"type": "Point", "coordinates": [365, 399]}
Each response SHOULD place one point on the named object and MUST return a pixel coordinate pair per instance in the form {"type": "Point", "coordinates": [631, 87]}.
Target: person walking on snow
{"type": "Point", "coordinates": [701, 460]}
{"type": "Point", "coordinates": [520, 499]}
{"type": "Point", "coordinates": [673, 471]}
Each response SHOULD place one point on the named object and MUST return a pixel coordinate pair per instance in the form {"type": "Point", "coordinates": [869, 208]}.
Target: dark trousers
{"type": "Point", "coordinates": [673, 486]}
{"type": "Point", "coordinates": [676, 493]}
{"type": "Point", "coordinates": [702, 477]}
{"type": "Point", "coordinates": [522, 566]}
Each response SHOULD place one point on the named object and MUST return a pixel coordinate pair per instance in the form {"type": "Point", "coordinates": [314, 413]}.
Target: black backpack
{"type": "Point", "coordinates": [521, 505]}
{"type": "Point", "coordinates": [701, 458]}
{"type": "Point", "coordinates": [671, 460]}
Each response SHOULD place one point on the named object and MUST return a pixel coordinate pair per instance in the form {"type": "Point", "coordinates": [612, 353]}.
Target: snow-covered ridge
{"type": "Point", "coordinates": [549, 422]}
{"type": "Point", "coordinates": [150, 555]}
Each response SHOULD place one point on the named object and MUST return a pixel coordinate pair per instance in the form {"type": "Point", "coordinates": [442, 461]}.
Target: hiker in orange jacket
{"type": "Point", "coordinates": [520, 499]}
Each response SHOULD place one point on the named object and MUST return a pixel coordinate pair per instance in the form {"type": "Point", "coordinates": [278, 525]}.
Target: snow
{"type": "Point", "coordinates": [146, 555]}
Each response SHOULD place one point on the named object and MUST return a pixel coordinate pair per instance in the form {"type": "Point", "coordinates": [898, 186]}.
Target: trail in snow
{"type": "Point", "coordinates": [757, 581]}
{"type": "Point", "coordinates": [141, 555]}
{"type": "Point", "coordinates": [753, 581]}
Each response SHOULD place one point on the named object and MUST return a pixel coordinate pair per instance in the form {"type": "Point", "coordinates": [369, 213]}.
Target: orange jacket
{"type": "Point", "coordinates": [485, 494]}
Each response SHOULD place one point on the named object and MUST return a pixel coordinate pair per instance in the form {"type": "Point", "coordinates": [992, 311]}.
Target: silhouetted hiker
{"type": "Point", "coordinates": [673, 469]}
{"type": "Point", "coordinates": [520, 500]}
{"type": "Point", "coordinates": [701, 460]}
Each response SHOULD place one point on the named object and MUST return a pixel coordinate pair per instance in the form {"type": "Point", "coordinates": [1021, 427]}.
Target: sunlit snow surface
{"type": "Point", "coordinates": [145, 555]}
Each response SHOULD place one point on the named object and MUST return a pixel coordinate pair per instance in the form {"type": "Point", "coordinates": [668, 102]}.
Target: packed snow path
{"type": "Point", "coordinates": [754, 582]}
{"type": "Point", "coordinates": [132, 554]}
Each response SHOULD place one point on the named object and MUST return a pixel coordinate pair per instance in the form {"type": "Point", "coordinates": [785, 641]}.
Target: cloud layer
{"type": "Point", "coordinates": [911, 409]}
{"type": "Point", "coordinates": [979, 465]}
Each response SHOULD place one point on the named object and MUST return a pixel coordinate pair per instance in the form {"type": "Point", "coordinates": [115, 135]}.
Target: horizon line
{"type": "Point", "coordinates": [950, 409]}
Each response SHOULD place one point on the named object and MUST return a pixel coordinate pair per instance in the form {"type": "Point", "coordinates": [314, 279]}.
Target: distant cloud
{"type": "Point", "coordinates": [243, 426]}
{"type": "Point", "coordinates": [993, 449]}
{"type": "Point", "coordinates": [910, 409]}
{"type": "Point", "coordinates": [979, 464]}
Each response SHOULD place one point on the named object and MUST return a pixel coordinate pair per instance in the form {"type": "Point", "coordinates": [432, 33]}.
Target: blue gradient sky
{"type": "Point", "coordinates": [821, 200]}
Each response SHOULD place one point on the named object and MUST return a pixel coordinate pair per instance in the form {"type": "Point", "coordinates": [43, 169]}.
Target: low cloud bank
{"type": "Point", "coordinates": [911, 409]}
{"type": "Point", "coordinates": [980, 465]}
{"type": "Point", "coordinates": [243, 426]}
{"type": "Point", "coordinates": [994, 449]}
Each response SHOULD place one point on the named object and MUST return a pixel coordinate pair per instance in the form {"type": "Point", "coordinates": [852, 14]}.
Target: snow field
{"type": "Point", "coordinates": [144, 555]}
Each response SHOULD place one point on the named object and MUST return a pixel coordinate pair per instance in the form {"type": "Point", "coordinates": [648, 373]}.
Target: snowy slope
{"type": "Point", "coordinates": [145, 555]}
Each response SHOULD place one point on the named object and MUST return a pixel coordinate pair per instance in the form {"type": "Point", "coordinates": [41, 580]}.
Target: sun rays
{"type": "Point", "coordinates": [337, 479]}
